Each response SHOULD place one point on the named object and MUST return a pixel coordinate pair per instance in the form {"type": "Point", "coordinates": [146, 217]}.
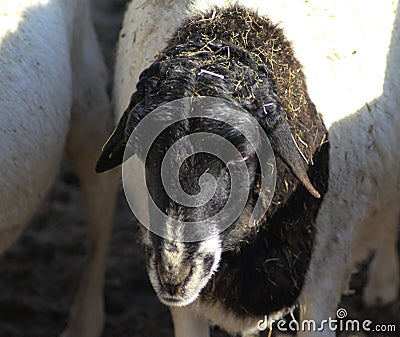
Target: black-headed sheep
{"type": "Point", "coordinates": [304, 249]}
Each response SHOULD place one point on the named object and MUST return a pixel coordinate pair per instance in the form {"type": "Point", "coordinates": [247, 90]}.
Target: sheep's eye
{"type": "Point", "coordinates": [269, 107]}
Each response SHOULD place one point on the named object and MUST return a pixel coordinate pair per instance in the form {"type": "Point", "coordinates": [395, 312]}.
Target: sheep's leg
{"type": "Point", "coordinates": [327, 277]}
{"type": "Point", "coordinates": [384, 274]}
{"type": "Point", "coordinates": [99, 191]}
{"type": "Point", "coordinates": [188, 324]}
{"type": "Point", "coordinates": [319, 301]}
{"type": "Point", "coordinates": [91, 123]}
{"type": "Point", "coordinates": [318, 311]}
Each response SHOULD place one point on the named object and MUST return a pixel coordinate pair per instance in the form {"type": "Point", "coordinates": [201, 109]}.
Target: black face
{"type": "Point", "coordinates": [201, 175]}
{"type": "Point", "coordinates": [180, 270]}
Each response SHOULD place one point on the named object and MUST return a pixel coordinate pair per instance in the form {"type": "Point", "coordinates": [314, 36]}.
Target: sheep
{"type": "Point", "coordinates": [53, 96]}
{"type": "Point", "coordinates": [359, 206]}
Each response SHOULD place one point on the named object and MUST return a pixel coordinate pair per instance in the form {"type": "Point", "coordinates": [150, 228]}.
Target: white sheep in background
{"type": "Point", "coordinates": [53, 97]}
{"type": "Point", "coordinates": [350, 51]}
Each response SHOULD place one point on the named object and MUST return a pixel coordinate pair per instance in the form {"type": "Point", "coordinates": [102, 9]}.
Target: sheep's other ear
{"type": "Point", "coordinates": [113, 150]}
{"type": "Point", "coordinates": [284, 145]}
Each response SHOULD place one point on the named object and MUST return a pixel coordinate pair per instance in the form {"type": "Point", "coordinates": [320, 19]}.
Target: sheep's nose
{"type": "Point", "coordinates": [173, 279]}
{"type": "Point", "coordinates": [174, 289]}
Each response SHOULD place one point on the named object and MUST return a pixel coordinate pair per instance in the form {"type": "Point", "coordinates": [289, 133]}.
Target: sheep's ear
{"type": "Point", "coordinates": [283, 144]}
{"type": "Point", "coordinates": [113, 150]}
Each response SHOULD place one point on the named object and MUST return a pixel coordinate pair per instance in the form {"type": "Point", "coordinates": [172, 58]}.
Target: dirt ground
{"type": "Point", "coordinates": [40, 272]}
